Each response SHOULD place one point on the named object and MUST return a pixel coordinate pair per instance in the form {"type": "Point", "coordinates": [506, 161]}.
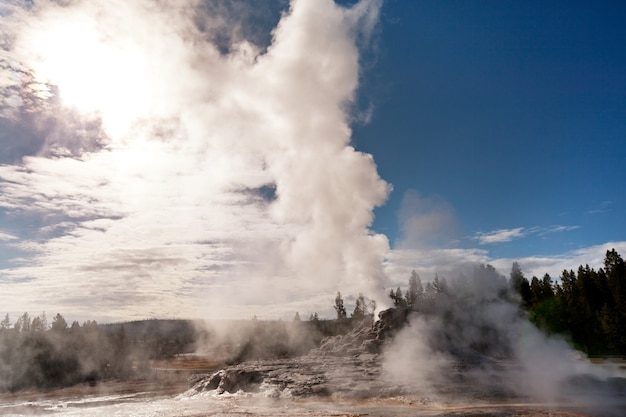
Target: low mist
{"type": "Point", "coordinates": [471, 336]}
{"type": "Point", "coordinates": [244, 340]}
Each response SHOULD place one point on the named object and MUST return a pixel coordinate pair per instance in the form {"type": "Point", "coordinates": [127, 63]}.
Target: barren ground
{"type": "Point", "coordinates": [171, 378]}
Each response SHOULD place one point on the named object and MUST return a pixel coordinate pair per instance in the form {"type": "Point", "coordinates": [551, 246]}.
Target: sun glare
{"type": "Point", "coordinates": [93, 73]}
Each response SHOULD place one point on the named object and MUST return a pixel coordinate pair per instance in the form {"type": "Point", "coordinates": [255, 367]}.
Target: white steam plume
{"type": "Point", "coordinates": [475, 343]}
{"type": "Point", "coordinates": [208, 178]}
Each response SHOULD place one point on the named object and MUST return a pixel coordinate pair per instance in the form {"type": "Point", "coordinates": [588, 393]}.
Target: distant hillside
{"type": "Point", "coordinates": [160, 338]}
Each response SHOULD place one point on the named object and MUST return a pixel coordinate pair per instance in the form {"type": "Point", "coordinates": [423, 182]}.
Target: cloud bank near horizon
{"type": "Point", "coordinates": [432, 243]}
{"type": "Point", "coordinates": [451, 262]}
{"type": "Point", "coordinates": [175, 167]}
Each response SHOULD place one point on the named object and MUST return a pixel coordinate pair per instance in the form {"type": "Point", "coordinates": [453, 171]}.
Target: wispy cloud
{"type": "Point", "coordinates": [603, 207]}
{"type": "Point", "coordinates": [556, 229]}
{"type": "Point", "coordinates": [508, 235]}
{"type": "Point", "coordinates": [7, 236]}
{"type": "Point", "coordinates": [500, 235]}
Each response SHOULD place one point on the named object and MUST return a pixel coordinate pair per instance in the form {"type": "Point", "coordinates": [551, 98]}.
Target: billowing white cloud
{"type": "Point", "coordinates": [212, 179]}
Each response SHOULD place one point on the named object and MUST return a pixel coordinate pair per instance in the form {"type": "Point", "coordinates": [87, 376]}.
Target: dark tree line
{"type": "Point", "coordinates": [587, 305]}
{"type": "Point", "coordinates": [33, 355]}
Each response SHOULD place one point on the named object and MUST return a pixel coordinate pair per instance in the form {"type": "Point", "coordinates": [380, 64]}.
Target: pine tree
{"type": "Point", "coordinates": [37, 325]}
{"type": "Point", "coordinates": [6, 323]}
{"type": "Point", "coordinates": [520, 284]}
{"type": "Point", "coordinates": [440, 285]}
{"type": "Point", "coordinates": [23, 323]}
{"type": "Point", "coordinates": [615, 270]}
{"type": "Point", "coordinates": [360, 308]}
{"type": "Point", "coordinates": [58, 324]}
{"type": "Point", "coordinates": [398, 299]}
{"type": "Point", "coordinates": [415, 293]}
{"type": "Point", "coordinates": [339, 307]}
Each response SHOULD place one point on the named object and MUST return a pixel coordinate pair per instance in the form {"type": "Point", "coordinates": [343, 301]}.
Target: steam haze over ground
{"type": "Point", "coordinates": [480, 345]}
{"type": "Point", "coordinates": [197, 158]}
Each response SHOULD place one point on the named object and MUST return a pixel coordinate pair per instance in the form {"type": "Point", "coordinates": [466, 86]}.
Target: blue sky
{"type": "Point", "coordinates": [511, 112]}
{"type": "Point", "coordinates": [172, 161]}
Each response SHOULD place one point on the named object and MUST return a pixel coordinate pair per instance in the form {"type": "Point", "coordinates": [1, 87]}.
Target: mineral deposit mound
{"type": "Point", "coordinates": [350, 366]}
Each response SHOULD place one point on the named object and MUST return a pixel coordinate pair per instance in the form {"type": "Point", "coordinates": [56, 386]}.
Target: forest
{"type": "Point", "coordinates": [586, 306]}
{"type": "Point", "coordinates": [35, 355]}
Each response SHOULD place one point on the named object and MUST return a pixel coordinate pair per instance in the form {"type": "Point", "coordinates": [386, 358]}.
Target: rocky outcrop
{"type": "Point", "coordinates": [365, 337]}
{"type": "Point", "coordinates": [231, 381]}
{"type": "Point", "coordinates": [348, 365]}
{"type": "Point", "coordinates": [311, 375]}
{"type": "Point", "coordinates": [345, 365]}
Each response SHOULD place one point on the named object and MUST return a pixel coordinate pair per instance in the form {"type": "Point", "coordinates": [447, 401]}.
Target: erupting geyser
{"type": "Point", "coordinates": [203, 168]}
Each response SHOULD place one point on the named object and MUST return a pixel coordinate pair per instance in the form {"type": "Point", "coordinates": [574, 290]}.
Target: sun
{"type": "Point", "coordinates": [93, 72]}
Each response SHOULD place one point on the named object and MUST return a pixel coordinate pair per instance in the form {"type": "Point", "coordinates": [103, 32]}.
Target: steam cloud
{"type": "Point", "coordinates": [480, 345]}
{"type": "Point", "coordinates": [162, 163]}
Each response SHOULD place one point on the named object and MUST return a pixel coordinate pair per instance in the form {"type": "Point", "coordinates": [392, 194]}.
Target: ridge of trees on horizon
{"type": "Point", "coordinates": [48, 357]}
{"type": "Point", "coordinates": [33, 355]}
{"type": "Point", "coordinates": [587, 306]}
